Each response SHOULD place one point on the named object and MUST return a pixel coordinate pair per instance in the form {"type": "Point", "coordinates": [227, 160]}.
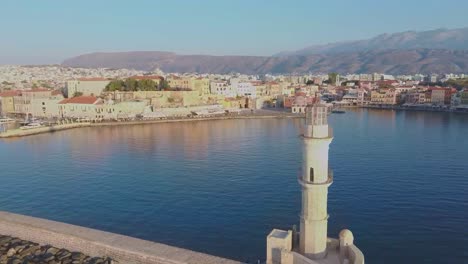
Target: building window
{"type": "Point", "coordinates": [311, 179]}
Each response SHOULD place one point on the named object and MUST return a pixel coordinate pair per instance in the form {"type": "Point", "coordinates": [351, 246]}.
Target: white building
{"type": "Point", "coordinates": [312, 245]}
{"type": "Point", "coordinates": [86, 86]}
{"type": "Point", "coordinates": [245, 89]}
{"type": "Point", "coordinates": [222, 88]}
{"type": "Point", "coordinates": [46, 107]}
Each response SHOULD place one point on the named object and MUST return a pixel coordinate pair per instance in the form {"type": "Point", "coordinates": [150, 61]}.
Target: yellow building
{"type": "Point", "coordinates": [155, 78]}
{"type": "Point", "coordinates": [7, 102]}
{"type": "Point", "coordinates": [385, 97]}
{"type": "Point", "coordinates": [80, 107]}
{"type": "Point", "coordinates": [178, 82]}
{"type": "Point", "coordinates": [273, 88]}
{"type": "Point", "coordinates": [23, 102]}
{"type": "Point", "coordinates": [86, 86]}
{"type": "Point", "coordinates": [199, 84]}
{"type": "Point", "coordinates": [161, 99]}
{"type": "Point", "coordinates": [46, 107]}
{"type": "Point", "coordinates": [202, 85]}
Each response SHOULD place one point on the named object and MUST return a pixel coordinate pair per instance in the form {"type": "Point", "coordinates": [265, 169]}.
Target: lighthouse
{"type": "Point", "coordinates": [315, 178]}
{"type": "Point", "coordinates": [312, 245]}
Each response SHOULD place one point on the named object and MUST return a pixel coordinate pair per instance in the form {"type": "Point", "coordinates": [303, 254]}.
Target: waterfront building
{"type": "Point", "coordinates": [312, 244]}
{"type": "Point", "coordinates": [456, 100]}
{"type": "Point", "coordinates": [122, 110]}
{"type": "Point", "coordinates": [179, 82]}
{"type": "Point", "coordinates": [221, 87]}
{"type": "Point", "coordinates": [47, 107]}
{"type": "Point", "coordinates": [245, 89]}
{"type": "Point", "coordinates": [440, 96]}
{"type": "Point", "coordinates": [464, 97]}
{"type": "Point", "coordinates": [155, 78]}
{"type": "Point", "coordinates": [22, 102]}
{"type": "Point", "coordinates": [86, 86]}
{"type": "Point", "coordinates": [202, 85]}
{"type": "Point", "coordinates": [160, 99]}
{"type": "Point", "coordinates": [299, 105]}
{"type": "Point", "coordinates": [7, 103]}
{"type": "Point", "coordinates": [416, 97]}
{"type": "Point", "coordinates": [80, 107]}
{"type": "Point", "coordinates": [273, 88]}
{"type": "Point", "coordinates": [385, 97]}
{"type": "Point", "coordinates": [362, 96]}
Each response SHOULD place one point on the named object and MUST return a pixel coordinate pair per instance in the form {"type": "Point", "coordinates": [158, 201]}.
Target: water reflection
{"type": "Point", "coordinates": [220, 186]}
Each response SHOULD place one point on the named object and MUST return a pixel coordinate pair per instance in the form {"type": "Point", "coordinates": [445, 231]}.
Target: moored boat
{"type": "Point", "coordinates": [5, 120]}
{"type": "Point", "coordinates": [337, 111]}
{"type": "Point", "coordinates": [32, 125]}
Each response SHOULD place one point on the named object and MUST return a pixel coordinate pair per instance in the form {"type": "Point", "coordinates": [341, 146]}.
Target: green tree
{"type": "Point", "coordinates": [163, 85]}
{"type": "Point", "coordinates": [115, 85]}
{"type": "Point", "coordinates": [309, 82]}
{"type": "Point", "coordinates": [458, 83]}
{"type": "Point", "coordinates": [332, 77]}
{"type": "Point", "coordinates": [146, 85]}
{"type": "Point", "coordinates": [77, 94]}
{"type": "Point", "coordinates": [131, 85]}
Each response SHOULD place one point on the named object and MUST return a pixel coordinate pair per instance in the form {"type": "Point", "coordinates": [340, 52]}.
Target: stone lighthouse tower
{"type": "Point", "coordinates": [315, 180]}
{"type": "Point", "coordinates": [312, 245]}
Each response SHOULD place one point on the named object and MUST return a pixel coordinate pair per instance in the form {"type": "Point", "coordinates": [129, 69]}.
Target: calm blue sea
{"type": "Point", "coordinates": [400, 182]}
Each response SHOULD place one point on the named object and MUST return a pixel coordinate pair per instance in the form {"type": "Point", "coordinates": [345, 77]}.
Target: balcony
{"type": "Point", "coordinates": [305, 183]}
{"type": "Point", "coordinates": [309, 133]}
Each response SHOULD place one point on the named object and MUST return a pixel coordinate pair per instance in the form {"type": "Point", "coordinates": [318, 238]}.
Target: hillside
{"type": "Point", "coordinates": [450, 39]}
{"type": "Point", "coordinates": [388, 61]}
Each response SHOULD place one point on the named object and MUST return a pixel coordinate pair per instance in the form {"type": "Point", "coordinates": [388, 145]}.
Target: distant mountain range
{"type": "Point", "coordinates": [450, 39]}
{"type": "Point", "coordinates": [435, 51]}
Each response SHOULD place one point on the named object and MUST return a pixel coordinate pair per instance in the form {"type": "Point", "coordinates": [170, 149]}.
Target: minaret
{"type": "Point", "coordinates": [315, 180]}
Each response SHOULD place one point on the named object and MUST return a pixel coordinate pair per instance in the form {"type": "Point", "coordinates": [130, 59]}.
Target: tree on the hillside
{"type": "Point", "coordinates": [163, 85]}
{"type": "Point", "coordinates": [115, 85]}
{"type": "Point", "coordinates": [332, 77]}
{"type": "Point", "coordinates": [146, 85]}
{"type": "Point", "coordinates": [131, 85]}
{"type": "Point", "coordinates": [458, 83]}
{"type": "Point", "coordinates": [309, 82]}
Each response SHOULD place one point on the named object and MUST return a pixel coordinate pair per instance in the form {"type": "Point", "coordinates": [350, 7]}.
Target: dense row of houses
{"type": "Point", "coordinates": [88, 97]}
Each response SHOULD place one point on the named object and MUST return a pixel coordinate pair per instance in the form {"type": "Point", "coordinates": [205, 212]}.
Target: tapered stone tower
{"type": "Point", "coordinates": [315, 180]}
{"type": "Point", "coordinates": [313, 245]}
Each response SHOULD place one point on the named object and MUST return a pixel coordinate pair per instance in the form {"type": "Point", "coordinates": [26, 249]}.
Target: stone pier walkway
{"type": "Point", "coordinates": [17, 251]}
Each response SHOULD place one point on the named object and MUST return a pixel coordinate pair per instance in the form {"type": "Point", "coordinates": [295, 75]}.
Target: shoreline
{"type": "Point", "coordinates": [420, 109]}
{"type": "Point", "coordinates": [14, 133]}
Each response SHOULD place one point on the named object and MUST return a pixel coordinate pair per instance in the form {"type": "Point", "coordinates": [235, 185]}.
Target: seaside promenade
{"type": "Point", "coordinates": [53, 128]}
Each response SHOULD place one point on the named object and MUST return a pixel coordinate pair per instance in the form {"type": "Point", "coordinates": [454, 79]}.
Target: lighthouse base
{"type": "Point", "coordinates": [281, 250]}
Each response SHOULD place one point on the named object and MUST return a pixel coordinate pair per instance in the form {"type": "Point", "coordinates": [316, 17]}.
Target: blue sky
{"type": "Point", "coordinates": [48, 31]}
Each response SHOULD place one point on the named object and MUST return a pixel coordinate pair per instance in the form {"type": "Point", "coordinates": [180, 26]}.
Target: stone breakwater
{"type": "Point", "coordinates": [41, 130]}
{"type": "Point", "coordinates": [16, 251]}
{"type": "Point", "coordinates": [95, 243]}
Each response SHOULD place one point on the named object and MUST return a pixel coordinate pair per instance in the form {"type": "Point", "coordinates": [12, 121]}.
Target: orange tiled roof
{"type": "Point", "coordinates": [10, 93]}
{"type": "Point", "coordinates": [80, 100]}
{"type": "Point", "coordinates": [36, 90]}
{"type": "Point", "coordinates": [147, 77]}
{"type": "Point", "coordinates": [93, 79]}
{"type": "Point", "coordinates": [56, 92]}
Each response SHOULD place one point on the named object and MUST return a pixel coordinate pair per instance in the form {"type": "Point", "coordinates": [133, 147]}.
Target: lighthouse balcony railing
{"type": "Point", "coordinates": [309, 133]}
{"type": "Point", "coordinates": [303, 181]}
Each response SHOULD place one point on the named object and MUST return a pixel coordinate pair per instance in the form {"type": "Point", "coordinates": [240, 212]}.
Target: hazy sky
{"type": "Point", "coordinates": [48, 31]}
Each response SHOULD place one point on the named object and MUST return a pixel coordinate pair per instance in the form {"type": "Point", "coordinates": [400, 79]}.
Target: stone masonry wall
{"type": "Point", "coordinates": [95, 243]}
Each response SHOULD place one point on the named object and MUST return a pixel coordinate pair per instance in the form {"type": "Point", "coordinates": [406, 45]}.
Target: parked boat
{"type": "Point", "coordinates": [338, 111]}
{"type": "Point", "coordinates": [32, 125]}
{"type": "Point", "coordinates": [5, 120]}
